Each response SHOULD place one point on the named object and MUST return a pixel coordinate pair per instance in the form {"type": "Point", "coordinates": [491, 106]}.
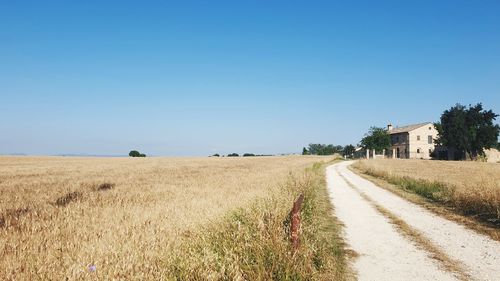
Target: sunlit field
{"type": "Point", "coordinates": [471, 187]}
{"type": "Point", "coordinates": [124, 217]}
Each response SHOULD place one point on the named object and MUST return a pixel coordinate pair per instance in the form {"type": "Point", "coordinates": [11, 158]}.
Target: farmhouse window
{"type": "Point", "coordinates": [429, 139]}
{"type": "Point", "coordinates": [418, 150]}
{"type": "Point", "coordinates": [418, 138]}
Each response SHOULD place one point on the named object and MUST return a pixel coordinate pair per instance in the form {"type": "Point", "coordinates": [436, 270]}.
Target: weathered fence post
{"type": "Point", "coordinates": [295, 225]}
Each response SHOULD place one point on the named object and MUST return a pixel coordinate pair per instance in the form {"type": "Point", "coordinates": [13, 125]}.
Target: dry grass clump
{"type": "Point", "coordinates": [11, 217]}
{"type": "Point", "coordinates": [68, 198]}
{"type": "Point", "coordinates": [129, 218]}
{"type": "Point", "coordinates": [105, 186]}
{"type": "Point", "coordinates": [472, 188]}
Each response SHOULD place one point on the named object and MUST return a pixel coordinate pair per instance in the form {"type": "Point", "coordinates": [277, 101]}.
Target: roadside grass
{"type": "Point", "coordinates": [253, 243]}
{"type": "Point", "coordinates": [475, 205]}
{"type": "Point", "coordinates": [434, 191]}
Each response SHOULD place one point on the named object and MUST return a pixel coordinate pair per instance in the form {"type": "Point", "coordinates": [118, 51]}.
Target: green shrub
{"type": "Point", "coordinates": [135, 153]}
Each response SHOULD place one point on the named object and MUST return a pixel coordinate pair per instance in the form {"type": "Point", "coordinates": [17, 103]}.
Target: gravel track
{"type": "Point", "coordinates": [385, 253]}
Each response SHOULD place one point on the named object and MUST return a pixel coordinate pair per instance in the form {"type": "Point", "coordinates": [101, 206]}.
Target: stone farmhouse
{"type": "Point", "coordinates": [413, 141]}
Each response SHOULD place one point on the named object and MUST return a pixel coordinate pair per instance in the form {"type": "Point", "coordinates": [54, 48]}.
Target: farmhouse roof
{"type": "Point", "coordinates": [408, 128]}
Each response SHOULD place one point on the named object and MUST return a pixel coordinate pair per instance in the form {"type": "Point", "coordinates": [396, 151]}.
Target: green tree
{"type": "Point", "coordinates": [315, 148]}
{"type": "Point", "coordinates": [135, 153]}
{"type": "Point", "coordinates": [322, 149]}
{"type": "Point", "coordinates": [328, 150]}
{"type": "Point", "coordinates": [338, 149]}
{"type": "Point", "coordinates": [233, 155]}
{"type": "Point", "coordinates": [349, 150]}
{"type": "Point", "coordinates": [468, 130]}
{"type": "Point", "coordinates": [377, 138]}
{"type": "Point", "coordinates": [248, 155]}
{"type": "Point", "coordinates": [304, 151]}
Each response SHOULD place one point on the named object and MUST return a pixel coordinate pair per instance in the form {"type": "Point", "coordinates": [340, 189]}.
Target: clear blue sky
{"type": "Point", "coordinates": [199, 77]}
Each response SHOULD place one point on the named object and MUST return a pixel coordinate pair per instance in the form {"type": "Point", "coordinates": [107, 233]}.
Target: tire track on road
{"type": "Point", "coordinates": [383, 252]}
{"type": "Point", "coordinates": [452, 266]}
{"type": "Point", "coordinates": [479, 255]}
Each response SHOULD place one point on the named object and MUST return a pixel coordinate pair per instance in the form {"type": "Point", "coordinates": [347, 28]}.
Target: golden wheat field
{"type": "Point", "coordinates": [60, 215]}
{"type": "Point", "coordinates": [473, 187]}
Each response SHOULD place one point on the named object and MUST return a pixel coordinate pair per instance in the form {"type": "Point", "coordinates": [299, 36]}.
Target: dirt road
{"type": "Point", "coordinates": [398, 240]}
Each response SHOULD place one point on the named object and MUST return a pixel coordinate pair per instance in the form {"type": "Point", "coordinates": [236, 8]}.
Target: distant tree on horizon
{"type": "Point", "coordinates": [322, 149]}
{"type": "Point", "coordinates": [233, 155]}
{"type": "Point", "coordinates": [304, 151]}
{"type": "Point", "coordinates": [248, 155]}
{"type": "Point", "coordinates": [135, 153]}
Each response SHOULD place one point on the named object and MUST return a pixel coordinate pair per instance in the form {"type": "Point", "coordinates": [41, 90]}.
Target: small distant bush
{"type": "Point", "coordinates": [233, 155]}
{"type": "Point", "coordinates": [135, 153]}
{"type": "Point", "coordinates": [248, 154]}
{"type": "Point", "coordinates": [215, 155]}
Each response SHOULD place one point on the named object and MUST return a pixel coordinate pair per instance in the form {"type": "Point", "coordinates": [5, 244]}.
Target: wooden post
{"type": "Point", "coordinates": [295, 225]}
{"type": "Point", "coordinates": [367, 153]}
